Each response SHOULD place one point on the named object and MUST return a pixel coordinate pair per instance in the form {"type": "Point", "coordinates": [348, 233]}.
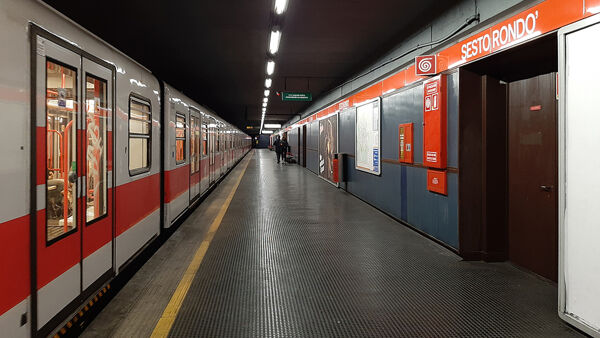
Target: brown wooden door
{"type": "Point", "coordinates": [533, 181]}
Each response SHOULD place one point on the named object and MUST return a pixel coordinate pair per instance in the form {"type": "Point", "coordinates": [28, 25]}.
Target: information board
{"type": "Point", "coordinates": [368, 140]}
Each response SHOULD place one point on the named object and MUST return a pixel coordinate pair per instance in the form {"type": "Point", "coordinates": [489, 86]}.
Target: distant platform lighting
{"type": "Point", "coordinates": [267, 132]}
{"type": "Point", "coordinates": [275, 39]}
{"type": "Point", "coordinates": [267, 92]}
{"type": "Point", "coordinates": [266, 99]}
{"type": "Point", "coordinates": [264, 105]}
{"type": "Point", "coordinates": [268, 83]}
{"type": "Point", "coordinates": [270, 67]}
{"type": "Point", "coordinates": [280, 6]}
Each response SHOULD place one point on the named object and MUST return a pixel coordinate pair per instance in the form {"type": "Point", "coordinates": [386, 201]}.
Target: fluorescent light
{"type": "Point", "coordinates": [268, 83]}
{"type": "Point", "coordinates": [272, 125]}
{"type": "Point", "coordinates": [267, 92]}
{"type": "Point", "coordinates": [266, 99]}
{"type": "Point", "coordinates": [275, 39]}
{"type": "Point", "coordinates": [267, 132]}
{"type": "Point", "coordinates": [280, 6]}
{"type": "Point", "coordinates": [264, 105]}
{"type": "Point", "coordinates": [270, 67]}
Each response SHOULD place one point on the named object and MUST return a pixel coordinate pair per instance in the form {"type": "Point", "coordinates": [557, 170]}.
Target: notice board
{"type": "Point", "coordinates": [368, 137]}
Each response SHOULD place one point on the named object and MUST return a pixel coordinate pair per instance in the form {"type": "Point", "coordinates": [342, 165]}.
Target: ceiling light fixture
{"type": "Point", "coordinates": [267, 92]}
{"type": "Point", "coordinates": [274, 44]}
{"type": "Point", "coordinates": [270, 67]}
{"type": "Point", "coordinates": [264, 105]}
{"type": "Point", "coordinates": [272, 125]}
{"type": "Point", "coordinates": [280, 6]}
{"type": "Point", "coordinates": [266, 99]}
{"type": "Point", "coordinates": [268, 83]}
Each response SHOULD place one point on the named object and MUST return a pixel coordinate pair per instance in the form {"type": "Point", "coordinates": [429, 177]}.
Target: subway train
{"type": "Point", "coordinates": [100, 159]}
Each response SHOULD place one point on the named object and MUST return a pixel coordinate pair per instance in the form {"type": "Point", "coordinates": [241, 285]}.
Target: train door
{"type": "Point", "coordinates": [74, 227]}
{"type": "Point", "coordinates": [212, 132]}
{"type": "Point", "coordinates": [205, 156]}
{"type": "Point", "coordinates": [194, 154]}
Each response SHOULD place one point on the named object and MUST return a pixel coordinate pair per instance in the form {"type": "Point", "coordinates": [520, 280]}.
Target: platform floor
{"type": "Point", "coordinates": [296, 257]}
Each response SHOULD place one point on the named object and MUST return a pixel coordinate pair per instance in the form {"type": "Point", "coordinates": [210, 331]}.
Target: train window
{"type": "Point", "coordinates": [180, 139]}
{"type": "Point", "coordinates": [195, 144]}
{"type": "Point", "coordinates": [61, 150]}
{"type": "Point", "coordinates": [204, 139]}
{"type": "Point", "coordinates": [96, 109]}
{"type": "Point", "coordinates": [140, 133]}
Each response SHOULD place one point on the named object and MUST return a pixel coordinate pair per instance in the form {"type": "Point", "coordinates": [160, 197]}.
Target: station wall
{"type": "Point", "coordinates": [401, 190]}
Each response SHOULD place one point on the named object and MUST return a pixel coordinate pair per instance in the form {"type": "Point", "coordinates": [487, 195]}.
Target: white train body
{"type": "Point", "coordinates": [85, 141]}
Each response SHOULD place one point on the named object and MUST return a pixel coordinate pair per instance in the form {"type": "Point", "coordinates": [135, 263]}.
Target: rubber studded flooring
{"type": "Point", "coordinates": [296, 257]}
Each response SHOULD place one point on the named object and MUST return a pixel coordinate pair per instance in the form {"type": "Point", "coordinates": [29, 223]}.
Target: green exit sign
{"type": "Point", "coordinates": [288, 96]}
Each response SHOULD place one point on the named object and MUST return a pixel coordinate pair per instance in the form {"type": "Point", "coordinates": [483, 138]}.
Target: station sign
{"type": "Point", "coordinates": [426, 65]}
{"type": "Point", "coordinates": [289, 96]}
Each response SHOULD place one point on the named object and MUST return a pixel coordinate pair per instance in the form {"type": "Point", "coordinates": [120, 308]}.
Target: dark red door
{"type": "Point", "coordinates": [533, 180]}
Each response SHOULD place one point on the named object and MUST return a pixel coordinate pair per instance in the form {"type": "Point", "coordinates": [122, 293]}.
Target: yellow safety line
{"type": "Point", "coordinates": [163, 327]}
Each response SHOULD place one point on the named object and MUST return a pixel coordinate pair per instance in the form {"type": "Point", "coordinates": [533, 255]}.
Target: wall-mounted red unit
{"type": "Point", "coordinates": [405, 143]}
{"type": "Point", "coordinates": [434, 118]}
{"type": "Point", "coordinates": [437, 182]}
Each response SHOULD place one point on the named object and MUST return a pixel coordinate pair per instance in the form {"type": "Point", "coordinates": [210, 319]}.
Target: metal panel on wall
{"type": "Point", "coordinates": [346, 131]}
{"type": "Point", "coordinates": [312, 148]}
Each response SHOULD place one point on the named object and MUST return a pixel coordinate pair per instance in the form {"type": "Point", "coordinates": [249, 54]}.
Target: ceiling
{"type": "Point", "coordinates": [216, 51]}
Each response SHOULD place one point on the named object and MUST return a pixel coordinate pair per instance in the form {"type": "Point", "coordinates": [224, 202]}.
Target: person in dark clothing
{"type": "Point", "coordinates": [284, 148]}
{"type": "Point", "coordinates": [277, 145]}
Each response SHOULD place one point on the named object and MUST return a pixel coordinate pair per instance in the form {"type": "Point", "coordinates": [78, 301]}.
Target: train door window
{"type": "Point", "coordinates": [96, 108]}
{"type": "Point", "coordinates": [194, 144]}
{"type": "Point", "coordinates": [204, 139]}
{"type": "Point", "coordinates": [196, 131]}
{"type": "Point", "coordinates": [180, 139]}
{"type": "Point", "coordinates": [140, 133]}
{"type": "Point", "coordinates": [61, 150]}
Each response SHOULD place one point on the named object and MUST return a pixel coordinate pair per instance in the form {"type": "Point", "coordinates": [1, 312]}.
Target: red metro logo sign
{"type": "Point", "coordinates": [426, 65]}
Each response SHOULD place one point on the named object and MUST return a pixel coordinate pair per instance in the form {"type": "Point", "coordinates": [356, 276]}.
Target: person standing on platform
{"type": "Point", "coordinates": [284, 147]}
{"type": "Point", "coordinates": [277, 145]}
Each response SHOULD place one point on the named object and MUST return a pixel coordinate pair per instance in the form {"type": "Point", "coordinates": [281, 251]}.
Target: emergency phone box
{"type": "Point", "coordinates": [434, 126]}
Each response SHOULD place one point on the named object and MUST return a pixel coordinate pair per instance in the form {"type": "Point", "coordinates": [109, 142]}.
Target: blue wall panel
{"type": "Point", "coordinates": [346, 128]}
{"type": "Point", "coordinates": [312, 147]}
{"type": "Point", "coordinates": [401, 190]}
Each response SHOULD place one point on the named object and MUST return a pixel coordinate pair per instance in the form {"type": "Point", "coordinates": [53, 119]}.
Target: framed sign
{"type": "Point", "coordinates": [368, 137]}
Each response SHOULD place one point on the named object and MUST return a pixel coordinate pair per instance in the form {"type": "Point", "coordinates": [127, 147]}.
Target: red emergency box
{"type": "Point", "coordinates": [434, 122]}
{"type": "Point", "coordinates": [405, 143]}
{"type": "Point", "coordinates": [437, 181]}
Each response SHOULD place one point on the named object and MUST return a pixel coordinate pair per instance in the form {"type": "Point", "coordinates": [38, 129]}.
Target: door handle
{"type": "Point", "coordinates": [547, 188]}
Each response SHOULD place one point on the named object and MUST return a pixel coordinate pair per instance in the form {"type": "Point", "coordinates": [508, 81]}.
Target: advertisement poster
{"type": "Point", "coordinates": [328, 135]}
{"type": "Point", "coordinates": [368, 138]}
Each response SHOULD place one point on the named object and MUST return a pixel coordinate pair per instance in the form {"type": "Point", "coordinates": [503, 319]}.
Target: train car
{"type": "Point", "coordinates": [199, 148]}
{"type": "Point", "coordinates": [81, 180]}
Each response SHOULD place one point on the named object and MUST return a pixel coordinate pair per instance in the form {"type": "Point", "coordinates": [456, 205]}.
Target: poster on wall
{"type": "Point", "coordinates": [368, 142]}
{"type": "Point", "coordinates": [328, 136]}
